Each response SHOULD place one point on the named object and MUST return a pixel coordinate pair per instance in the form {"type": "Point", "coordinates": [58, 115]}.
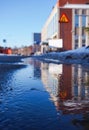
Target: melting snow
{"type": "Point", "coordinates": [80, 55]}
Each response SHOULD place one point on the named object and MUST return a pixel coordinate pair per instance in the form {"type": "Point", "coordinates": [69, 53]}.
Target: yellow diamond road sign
{"type": "Point", "coordinates": [64, 18]}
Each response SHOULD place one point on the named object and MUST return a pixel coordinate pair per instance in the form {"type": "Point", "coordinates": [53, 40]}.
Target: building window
{"type": "Point", "coordinates": [76, 31]}
{"type": "Point", "coordinates": [76, 45]}
{"type": "Point", "coordinates": [83, 41]}
{"type": "Point", "coordinates": [83, 20]}
{"type": "Point", "coordinates": [76, 41]}
{"type": "Point", "coordinates": [83, 31]}
{"type": "Point", "coordinates": [83, 27]}
{"type": "Point", "coordinates": [83, 12]}
{"type": "Point", "coordinates": [77, 11]}
{"type": "Point", "coordinates": [76, 21]}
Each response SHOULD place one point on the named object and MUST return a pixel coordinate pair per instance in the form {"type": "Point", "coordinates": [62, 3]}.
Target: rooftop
{"type": "Point", "coordinates": [76, 6]}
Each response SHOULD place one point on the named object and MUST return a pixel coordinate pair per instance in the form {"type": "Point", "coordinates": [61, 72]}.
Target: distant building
{"type": "Point", "coordinates": [26, 50]}
{"type": "Point", "coordinates": [36, 38]}
{"type": "Point", "coordinates": [36, 41]}
{"type": "Point", "coordinates": [67, 21]}
{"type": "Point", "coordinates": [5, 50]}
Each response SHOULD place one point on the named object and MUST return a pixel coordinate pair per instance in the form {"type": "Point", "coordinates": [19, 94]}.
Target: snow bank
{"type": "Point", "coordinates": [80, 55]}
{"type": "Point", "coordinates": [10, 58]}
{"type": "Point", "coordinates": [9, 62]}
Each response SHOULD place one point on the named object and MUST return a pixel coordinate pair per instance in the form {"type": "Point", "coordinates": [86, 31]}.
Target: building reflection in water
{"type": "Point", "coordinates": [36, 67]}
{"type": "Point", "coordinates": [37, 70]}
{"type": "Point", "coordinates": [68, 86]}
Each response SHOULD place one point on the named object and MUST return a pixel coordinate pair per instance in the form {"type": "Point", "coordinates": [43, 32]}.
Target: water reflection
{"type": "Point", "coordinates": [68, 86]}
{"type": "Point", "coordinates": [36, 67]}
{"type": "Point", "coordinates": [45, 96]}
{"type": "Point", "coordinates": [6, 75]}
{"type": "Point", "coordinates": [66, 83]}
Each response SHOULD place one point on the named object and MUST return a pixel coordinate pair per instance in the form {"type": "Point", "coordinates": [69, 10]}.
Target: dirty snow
{"type": "Point", "coordinates": [80, 55]}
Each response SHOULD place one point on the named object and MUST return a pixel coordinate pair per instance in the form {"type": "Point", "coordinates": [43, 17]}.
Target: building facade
{"type": "Point", "coordinates": [67, 21]}
{"type": "Point", "coordinates": [36, 38]}
{"type": "Point", "coordinates": [50, 29]}
{"type": "Point", "coordinates": [36, 42]}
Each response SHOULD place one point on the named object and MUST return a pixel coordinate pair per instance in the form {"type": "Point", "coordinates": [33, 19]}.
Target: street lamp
{"type": "Point", "coordinates": [4, 41]}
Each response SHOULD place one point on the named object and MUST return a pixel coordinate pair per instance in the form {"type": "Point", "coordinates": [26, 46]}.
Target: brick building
{"type": "Point", "coordinates": [67, 21]}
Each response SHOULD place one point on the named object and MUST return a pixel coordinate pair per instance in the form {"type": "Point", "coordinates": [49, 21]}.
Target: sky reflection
{"type": "Point", "coordinates": [44, 96]}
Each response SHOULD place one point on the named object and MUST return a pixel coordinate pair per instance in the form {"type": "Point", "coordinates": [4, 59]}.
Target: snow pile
{"type": "Point", "coordinates": [9, 62]}
{"type": "Point", "coordinates": [73, 56]}
{"type": "Point", "coordinates": [10, 58]}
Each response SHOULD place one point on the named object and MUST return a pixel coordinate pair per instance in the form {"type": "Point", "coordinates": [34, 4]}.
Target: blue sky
{"type": "Point", "coordinates": [20, 18]}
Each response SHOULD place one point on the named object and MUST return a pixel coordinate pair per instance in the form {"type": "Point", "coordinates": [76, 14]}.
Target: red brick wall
{"type": "Point", "coordinates": [65, 29]}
